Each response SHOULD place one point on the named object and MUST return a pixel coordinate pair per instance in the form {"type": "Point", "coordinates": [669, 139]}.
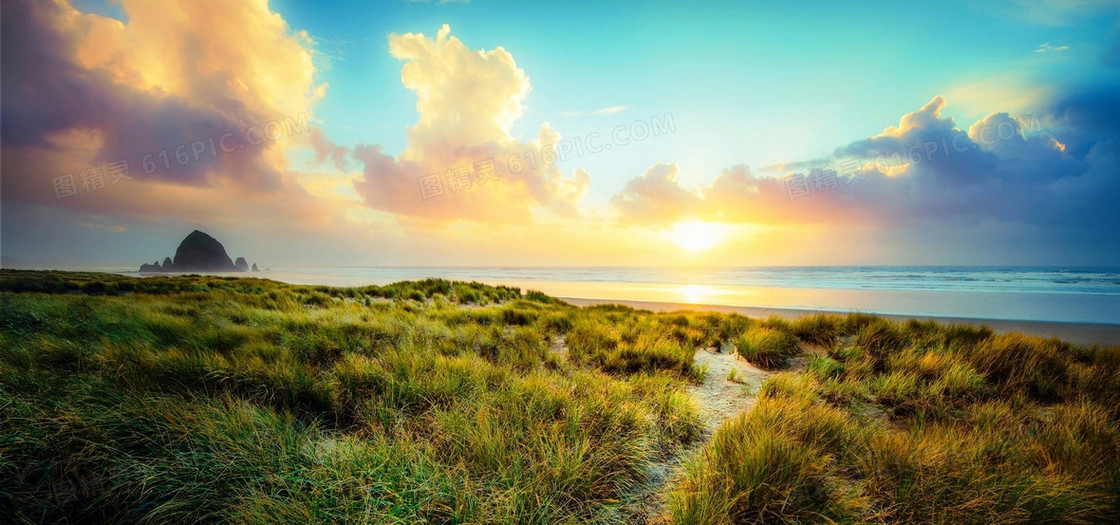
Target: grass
{"type": "Point", "coordinates": [184, 399]}
{"type": "Point", "coordinates": [767, 347]}
{"type": "Point", "coordinates": [635, 342]}
{"type": "Point", "coordinates": [915, 423]}
{"type": "Point", "coordinates": [177, 399]}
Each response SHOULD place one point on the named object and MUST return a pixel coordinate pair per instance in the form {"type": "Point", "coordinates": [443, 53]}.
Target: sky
{"type": "Point", "coordinates": [486, 133]}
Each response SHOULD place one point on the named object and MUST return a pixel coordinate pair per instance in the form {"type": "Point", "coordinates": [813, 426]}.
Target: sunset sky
{"type": "Point", "coordinates": [562, 133]}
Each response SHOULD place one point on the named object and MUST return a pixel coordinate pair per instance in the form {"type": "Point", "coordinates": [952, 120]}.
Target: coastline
{"type": "Point", "coordinates": [1076, 333]}
{"type": "Point", "coordinates": [468, 372]}
{"type": "Point", "coordinates": [1023, 295]}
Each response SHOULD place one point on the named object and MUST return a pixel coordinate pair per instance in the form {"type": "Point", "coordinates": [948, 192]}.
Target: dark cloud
{"type": "Point", "coordinates": [934, 145]}
{"type": "Point", "coordinates": [1084, 118]}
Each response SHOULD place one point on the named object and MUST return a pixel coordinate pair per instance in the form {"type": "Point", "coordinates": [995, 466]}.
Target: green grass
{"type": "Point", "coordinates": [917, 423]}
{"type": "Point", "coordinates": [184, 399]}
{"type": "Point", "coordinates": [634, 343]}
{"type": "Point", "coordinates": [767, 347]}
{"type": "Point", "coordinates": [180, 399]}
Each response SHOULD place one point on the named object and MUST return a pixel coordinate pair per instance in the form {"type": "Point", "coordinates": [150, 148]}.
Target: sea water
{"type": "Point", "coordinates": [1082, 295]}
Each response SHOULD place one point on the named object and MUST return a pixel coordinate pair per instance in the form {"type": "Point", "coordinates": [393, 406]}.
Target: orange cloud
{"type": "Point", "coordinates": [657, 200]}
{"type": "Point", "coordinates": [924, 171]}
{"type": "Point", "coordinates": [92, 91]}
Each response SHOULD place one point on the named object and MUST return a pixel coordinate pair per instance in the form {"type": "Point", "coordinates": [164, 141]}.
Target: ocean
{"type": "Point", "coordinates": [1077, 295]}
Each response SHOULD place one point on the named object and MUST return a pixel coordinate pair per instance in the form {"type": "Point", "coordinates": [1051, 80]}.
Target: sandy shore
{"type": "Point", "coordinates": [1077, 333]}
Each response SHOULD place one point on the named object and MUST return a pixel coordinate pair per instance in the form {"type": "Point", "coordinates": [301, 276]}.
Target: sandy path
{"type": "Point", "coordinates": [720, 398]}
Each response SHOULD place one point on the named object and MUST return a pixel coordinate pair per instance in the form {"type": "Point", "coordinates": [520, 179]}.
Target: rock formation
{"type": "Point", "coordinates": [199, 252]}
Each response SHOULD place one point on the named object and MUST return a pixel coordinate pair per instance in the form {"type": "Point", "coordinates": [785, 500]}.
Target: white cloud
{"type": "Point", "coordinates": [1047, 47]}
{"type": "Point", "coordinates": [467, 101]}
{"type": "Point", "coordinates": [609, 110]}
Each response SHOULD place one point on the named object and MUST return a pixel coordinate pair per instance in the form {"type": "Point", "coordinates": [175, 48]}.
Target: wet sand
{"type": "Point", "coordinates": [1077, 333]}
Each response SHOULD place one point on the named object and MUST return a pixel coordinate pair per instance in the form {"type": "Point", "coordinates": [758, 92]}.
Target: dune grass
{"type": "Point", "coordinates": [917, 423]}
{"type": "Point", "coordinates": [185, 399]}
{"type": "Point", "coordinates": [180, 399]}
{"type": "Point", "coordinates": [766, 346]}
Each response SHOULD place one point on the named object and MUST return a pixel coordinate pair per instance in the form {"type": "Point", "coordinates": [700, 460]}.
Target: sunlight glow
{"type": "Point", "coordinates": [696, 293]}
{"type": "Point", "coordinates": [695, 236]}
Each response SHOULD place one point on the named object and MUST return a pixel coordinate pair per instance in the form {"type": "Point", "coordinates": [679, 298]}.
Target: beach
{"type": "Point", "coordinates": [1080, 305]}
{"type": "Point", "coordinates": [1044, 294]}
{"type": "Point", "coordinates": [1077, 333]}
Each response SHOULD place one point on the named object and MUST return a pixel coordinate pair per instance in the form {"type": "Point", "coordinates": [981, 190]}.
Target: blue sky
{"type": "Point", "coordinates": [759, 93]}
{"type": "Point", "coordinates": [747, 82]}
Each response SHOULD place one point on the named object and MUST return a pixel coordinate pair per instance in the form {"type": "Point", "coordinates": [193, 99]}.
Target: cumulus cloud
{"type": "Point", "coordinates": [1023, 159]}
{"type": "Point", "coordinates": [943, 151]}
{"type": "Point", "coordinates": [657, 197]}
{"type": "Point", "coordinates": [1057, 172]}
{"type": "Point", "coordinates": [83, 91]}
{"type": "Point", "coordinates": [461, 161]}
{"type": "Point", "coordinates": [737, 195]}
{"type": "Point", "coordinates": [172, 75]}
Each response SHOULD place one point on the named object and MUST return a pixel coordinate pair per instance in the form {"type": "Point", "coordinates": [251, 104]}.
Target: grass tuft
{"type": "Point", "coordinates": [767, 347]}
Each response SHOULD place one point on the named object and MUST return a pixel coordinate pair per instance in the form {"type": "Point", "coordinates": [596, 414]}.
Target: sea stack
{"type": "Point", "coordinates": [200, 252]}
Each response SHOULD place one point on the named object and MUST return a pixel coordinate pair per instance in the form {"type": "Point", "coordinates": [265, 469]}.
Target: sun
{"type": "Point", "coordinates": [695, 236]}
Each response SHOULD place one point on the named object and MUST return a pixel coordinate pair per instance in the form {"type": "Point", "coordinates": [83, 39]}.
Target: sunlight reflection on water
{"type": "Point", "coordinates": [836, 289]}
